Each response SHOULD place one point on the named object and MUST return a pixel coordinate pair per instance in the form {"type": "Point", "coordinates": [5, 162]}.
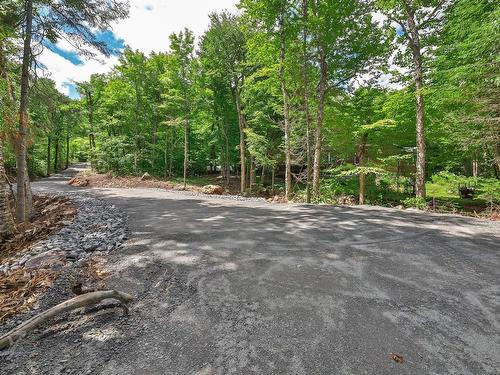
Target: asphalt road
{"type": "Point", "coordinates": [245, 287]}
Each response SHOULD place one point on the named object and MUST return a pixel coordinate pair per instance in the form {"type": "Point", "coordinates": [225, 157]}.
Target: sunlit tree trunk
{"type": "Point", "coordinates": [362, 159]}
{"type": "Point", "coordinates": [496, 157]}
{"type": "Point", "coordinates": [21, 208]}
{"type": "Point", "coordinates": [319, 123]}
{"type": "Point", "coordinates": [186, 150]}
{"type": "Point", "coordinates": [67, 149]}
{"type": "Point", "coordinates": [242, 125]}
{"type": "Point", "coordinates": [48, 155]}
{"type": "Point", "coordinates": [305, 16]}
{"type": "Point", "coordinates": [90, 113]}
{"type": "Point", "coordinates": [414, 42]}
{"type": "Point", "coordinates": [252, 173]}
{"type": "Point", "coordinates": [286, 109]}
{"type": "Point", "coordinates": [56, 154]}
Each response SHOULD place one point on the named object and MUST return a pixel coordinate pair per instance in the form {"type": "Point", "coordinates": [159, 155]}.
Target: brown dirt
{"type": "Point", "coordinates": [49, 215]}
{"type": "Point", "coordinates": [21, 288]}
{"type": "Point", "coordinates": [107, 180]}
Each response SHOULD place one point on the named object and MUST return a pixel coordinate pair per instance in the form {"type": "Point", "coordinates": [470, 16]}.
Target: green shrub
{"type": "Point", "coordinates": [415, 202]}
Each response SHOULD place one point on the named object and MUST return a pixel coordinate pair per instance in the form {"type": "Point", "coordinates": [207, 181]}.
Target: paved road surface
{"type": "Point", "coordinates": [231, 287]}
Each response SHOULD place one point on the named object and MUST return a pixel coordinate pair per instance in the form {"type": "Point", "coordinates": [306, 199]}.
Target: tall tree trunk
{"type": "Point", "coordinates": [362, 158]}
{"type": "Point", "coordinates": [67, 148]}
{"type": "Point", "coordinates": [263, 175]}
{"type": "Point", "coordinates": [56, 154]}
{"type": "Point", "coordinates": [496, 157]}
{"type": "Point", "coordinates": [305, 15]}
{"type": "Point", "coordinates": [171, 153]}
{"type": "Point", "coordinates": [7, 226]}
{"type": "Point", "coordinates": [414, 42]}
{"type": "Point", "coordinates": [273, 175]}
{"type": "Point", "coordinates": [136, 129]}
{"type": "Point", "coordinates": [227, 169]}
{"type": "Point", "coordinates": [241, 122]}
{"type": "Point", "coordinates": [186, 150]}
{"type": "Point", "coordinates": [154, 139]}
{"type": "Point", "coordinates": [90, 108]}
{"type": "Point", "coordinates": [320, 119]}
{"type": "Point", "coordinates": [49, 160]}
{"type": "Point", "coordinates": [165, 154]}
{"type": "Point", "coordinates": [252, 173]}
{"type": "Point", "coordinates": [21, 208]}
{"type": "Point", "coordinates": [286, 109]}
{"type": "Point", "coordinates": [28, 203]}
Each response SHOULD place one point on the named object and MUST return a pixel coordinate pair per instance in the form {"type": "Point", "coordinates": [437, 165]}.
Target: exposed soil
{"type": "Point", "coordinates": [50, 213]}
{"type": "Point", "coordinates": [21, 287]}
{"type": "Point", "coordinates": [108, 180]}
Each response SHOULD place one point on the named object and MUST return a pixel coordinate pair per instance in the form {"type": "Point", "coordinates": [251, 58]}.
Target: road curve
{"type": "Point", "coordinates": [247, 287]}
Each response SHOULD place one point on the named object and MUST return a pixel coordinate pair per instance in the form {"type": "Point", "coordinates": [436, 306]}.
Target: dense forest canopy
{"type": "Point", "coordinates": [369, 99]}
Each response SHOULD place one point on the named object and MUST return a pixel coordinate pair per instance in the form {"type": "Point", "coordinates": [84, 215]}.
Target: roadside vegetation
{"type": "Point", "coordinates": [354, 102]}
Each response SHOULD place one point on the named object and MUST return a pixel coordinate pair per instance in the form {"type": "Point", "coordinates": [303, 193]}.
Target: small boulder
{"type": "Point", "coordinates": [146, 177]}
{"type": "Point", "coordinates": [49, 259]}
{"type": "Point", "coordinates": [278, 199]}
{"type": "Point", "coordinates": [212, 190]}
{"type": "Point", "coordinates": [79, 181]}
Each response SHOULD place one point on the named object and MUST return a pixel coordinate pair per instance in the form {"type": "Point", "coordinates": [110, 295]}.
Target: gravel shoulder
{"type": "Point", "coordinates": [225, 286]}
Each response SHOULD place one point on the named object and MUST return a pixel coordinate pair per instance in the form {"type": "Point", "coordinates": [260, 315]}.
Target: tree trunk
{"type": "Point", "coordinates": [273, 175]}
{"type": "Point", "coordinates": [28, 203]}
{"type": "Point", "coordinates": [252, 173]}
{"type": "Point", "coordinates": [475, 168]}
{"type": "Point", "coordinates": [320, 119]}
{"type": "Point", "coordinates": [90, 105]}
{"type": "Point", "coordinates": [171, 154]}
{"type": "Point", "coordinates": [286, 109]}
{"type": "Point", "coordinates": [414, 42]}
{"type": "Point", "coordinates": [67, 149]}
{"type": "Point", "coordinates": [56, 154]}
{"type": "Point", "coordinates": [263, 175]}
{"type": "Point", "coordinates": [7, 226]}
{"type": "Point", "coordinates": [306, 100]}
{"type": "Point", "coordinates": [496, 157]}
{"type": "Point", "coordinates": [186, 151]}
{"type": "Point", "coordinates": [226, 161]}
{"type": "Point", "coordinates": [166, 153]}
{"type": "Point", "coordinates": [241, 122]}
{"type": "Point", "coordinates": [48, 155]}
{"type": "Point", "coordinates": [362, 158]}
{"type": "Point", "coordinates": [23, 119]}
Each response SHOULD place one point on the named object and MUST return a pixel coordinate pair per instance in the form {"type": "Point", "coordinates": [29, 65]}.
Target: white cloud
{"type": "Point", "coordinates": [147, 29]}
{"type": "Point", "coordinates": [63, 71]}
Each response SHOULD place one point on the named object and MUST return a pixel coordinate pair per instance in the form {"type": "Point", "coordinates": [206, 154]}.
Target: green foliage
{"type": "Point", "coordinates": [139, 112]}
{"type": "Point", "coordinates": [415, 202]}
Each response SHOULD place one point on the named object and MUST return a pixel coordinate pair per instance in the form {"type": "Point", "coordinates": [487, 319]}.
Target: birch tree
{"type": "Point", "coordinates": [419, 21]}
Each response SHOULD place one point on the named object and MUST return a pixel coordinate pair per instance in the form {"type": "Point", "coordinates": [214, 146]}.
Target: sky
{"type": "Point", "coordinates": [147, 29]}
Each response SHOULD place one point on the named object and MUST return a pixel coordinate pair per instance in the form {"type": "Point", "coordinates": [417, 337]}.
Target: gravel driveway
{"type": "Point", "coordinates": [239, 287]}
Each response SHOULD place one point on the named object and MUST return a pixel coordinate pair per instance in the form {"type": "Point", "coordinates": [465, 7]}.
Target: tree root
{"type": "Point", "coordinates": [10, 337]}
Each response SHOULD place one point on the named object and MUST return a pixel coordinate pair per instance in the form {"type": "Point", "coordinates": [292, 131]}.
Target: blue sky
{"type": "Point", "coordinates": [147, 29]}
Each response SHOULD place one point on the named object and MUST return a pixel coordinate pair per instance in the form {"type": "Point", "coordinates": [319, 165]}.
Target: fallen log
{"type": "Point", "coordinates": [93, 298]}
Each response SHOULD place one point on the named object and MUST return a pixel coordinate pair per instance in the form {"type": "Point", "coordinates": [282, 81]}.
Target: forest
{"type": "Point", "coordinates": [384, 102]}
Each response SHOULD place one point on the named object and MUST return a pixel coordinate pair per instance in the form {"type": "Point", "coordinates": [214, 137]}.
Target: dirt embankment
{"type": "Point", "coordinates": [213, 184]}
{"type": "Point", "coordinates": [20, 287]}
